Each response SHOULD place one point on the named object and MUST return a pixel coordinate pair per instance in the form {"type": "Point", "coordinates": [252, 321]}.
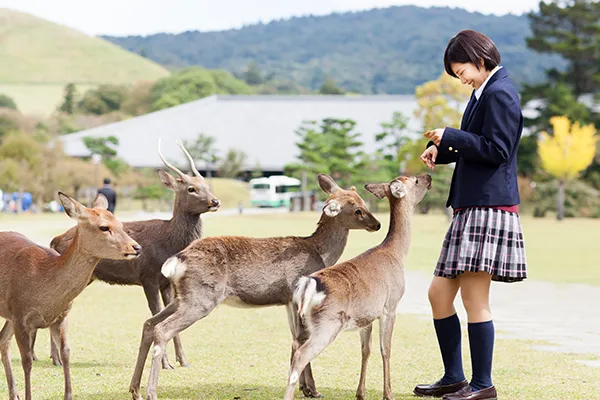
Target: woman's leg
{"type": "Point", "coordinates": [442, 293]}
{"type": "Point", "coordinates": [475, 293]}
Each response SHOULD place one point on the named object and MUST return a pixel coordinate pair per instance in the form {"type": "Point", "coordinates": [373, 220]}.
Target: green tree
{"type": "Point", "coordinates": [330, 87]}
{"type": "Point", "coordinates": [331, 146]}
{"type": "Point", "coordinates": [70, 99]}
{"type": "Point", "coordinates": [7, 102]}
{"type": "Point", "coordinates": [570, 28]}
{"type": "Point", "coordinates": [390, 141]}
{"type": "Point", "coordinates": [106, 148]}
{"type": "Point", "coordinates": [203, 148]}
{"type": "Point", "coordinates": [232, 163]}
{"type": "Point", "coordinates": [103, 100]}
{"type": "Point", "coordinates": [252, 75]}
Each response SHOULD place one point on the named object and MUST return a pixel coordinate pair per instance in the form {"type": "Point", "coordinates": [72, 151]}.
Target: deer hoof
{"type": "Point", "coordinates": [57, 362]}
{"type": "Point", "coordinates": [311, 393]}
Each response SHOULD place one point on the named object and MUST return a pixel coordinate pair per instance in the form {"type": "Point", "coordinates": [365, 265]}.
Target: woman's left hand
{"type": "Point", "coordinates": [435, 136]}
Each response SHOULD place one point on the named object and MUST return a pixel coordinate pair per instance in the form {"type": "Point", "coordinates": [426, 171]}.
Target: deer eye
{"type": "Point", "coordinates": [358, 213]}
{"type": "Point", "coordinates": [191, 189]}
{"type": "Point", "coordinates": [104, 228]}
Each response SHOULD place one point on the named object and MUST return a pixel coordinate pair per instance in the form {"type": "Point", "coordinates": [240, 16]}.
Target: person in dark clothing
{"type": "Point", "coordinates": [110, 195]}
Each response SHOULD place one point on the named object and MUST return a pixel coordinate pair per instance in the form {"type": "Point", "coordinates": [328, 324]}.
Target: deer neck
{"type": "Point", "coordinates": [330, 239]}
{"type": "Point", "coordinates": [74, 268]}
{"type": "Point", "coordinates": [185, 227]}
{"type": "Point", "coordinates": [399, 234]}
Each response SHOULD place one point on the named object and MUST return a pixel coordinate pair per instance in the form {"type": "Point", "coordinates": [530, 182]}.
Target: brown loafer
{"type": "Point", "coordinates": [438, 390]}
{"type": "Point", "coordinates": [468, 393]}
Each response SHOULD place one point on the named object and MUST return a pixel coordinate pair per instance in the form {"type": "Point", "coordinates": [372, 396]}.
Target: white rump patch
{"type": "Point", "coordinates": [173, 269]}
{"type": "Point", "coordinates": [398, 189]}
{"type": "Point", "coordinates": [332, 208]}
{"type": "Point", "coordinates": [306, 296]}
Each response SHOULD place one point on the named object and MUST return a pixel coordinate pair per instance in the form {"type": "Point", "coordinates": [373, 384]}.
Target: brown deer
{"type": "Point", "coordinates": [249, 272]}
{"type": "Point", "coordinates": [358, 291]}
{"type": "Point", "coordinates": [38, 285]}
{"type": "Point", "coordinates": [161, 239]}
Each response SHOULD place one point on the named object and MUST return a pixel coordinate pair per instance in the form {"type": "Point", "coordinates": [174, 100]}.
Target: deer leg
{"type": "Point", "coordinates": [386, 328]}
{"type": "Point", "coordinates": [307, 382]}
{"type": "Point", "coordinates": [5, 336]}
{"type": "Point", "coordinates": [202, 303]}
{"type": "Point", "coordinates": [365, 341]}
{"type": "Point", "coordinates": [153, 298]}
{"type": "Point", "coordinates": [167, 296]}
{"type": "Point", "coordinates": [316, 343]}
{"type": "Point", "coordinates": [59, 336]}
{"type": "Point", "coordinates": [145, 343]}
{"type": "Point", "coordinates": [22, 336]}
{"type": "Point", "coordinates": [32, 339]}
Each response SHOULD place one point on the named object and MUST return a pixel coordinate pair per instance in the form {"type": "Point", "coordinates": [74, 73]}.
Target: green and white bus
{"type": "Point", "coordinates": [274, 191]}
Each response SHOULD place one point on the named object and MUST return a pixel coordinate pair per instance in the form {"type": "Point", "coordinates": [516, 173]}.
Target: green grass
{"type": "Point", "coordinates": [37, 57]}
{"type": "Point", "coordinates": [244, 354]}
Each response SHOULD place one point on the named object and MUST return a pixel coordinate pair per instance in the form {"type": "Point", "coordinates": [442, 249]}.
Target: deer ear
{"type": "Point", "coordinates": [100, 202]}
{"type": "Point", "coordinates": [167, 179]}
{"type": "Point", "coordinates": [327, 184]}
{"type": "Point", "coordinates": [398, 189]}
{"type": "Point", "coordinates": [377, 189]}
{"type": "Point", "coordinates": [73, 208]}
{"type": "Point", "coordinates": [332, 208]}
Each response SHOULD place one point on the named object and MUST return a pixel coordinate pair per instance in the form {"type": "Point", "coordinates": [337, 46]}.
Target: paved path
{"type": "Point", "coordinates": [566, 316]}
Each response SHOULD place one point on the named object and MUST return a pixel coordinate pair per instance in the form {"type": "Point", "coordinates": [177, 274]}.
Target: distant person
{"type": "Point", "coordinates": [110, 195]}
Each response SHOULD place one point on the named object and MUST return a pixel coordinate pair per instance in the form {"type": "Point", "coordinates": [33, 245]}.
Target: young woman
{"type": "Point", "coordinates": [484, 242]}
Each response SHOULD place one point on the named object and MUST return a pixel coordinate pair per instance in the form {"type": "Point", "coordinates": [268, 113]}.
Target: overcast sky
{"type": "Point", "coordinates": [142, 17]}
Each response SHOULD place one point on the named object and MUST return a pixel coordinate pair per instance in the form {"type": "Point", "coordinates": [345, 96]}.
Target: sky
{"type": "Point", "coordinates": [143, 17]}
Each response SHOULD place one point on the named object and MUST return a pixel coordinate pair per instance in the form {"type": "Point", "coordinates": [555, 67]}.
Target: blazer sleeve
{"type": "Point", "coordinates": [498, 136]}
{"type": "Point", "coordinates": [443, 157]}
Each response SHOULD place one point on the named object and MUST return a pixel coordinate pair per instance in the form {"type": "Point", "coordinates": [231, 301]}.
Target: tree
{"type": "Point", "coordinates": [390, 141]}
{"type": "Point", "coordinates": [70, 99]}
{"type": "Point", "coordinates": [330, 87]}
{"type": "Point", "coordinates": [252, 75]}
{"type": "Point", "coordinates": [7, 102]}
{"type": "Point", "coordinates": [106, 148]}
{"type": "Point", "coordinates": [331, 146]}
{"type": "Point", "coordinates": [203, 148]}
{"type": "Point", "coordinates": [570, 28]}
{"type": "Point", "coordinates": [232, 164]}
{"type": "Point", "coordinates": [566, 153]}
{"type": "Point", "coordinates": [103, 100]}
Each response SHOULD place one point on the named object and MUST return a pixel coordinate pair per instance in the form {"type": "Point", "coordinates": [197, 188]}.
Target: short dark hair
{"type": "Point", "coordinates": [470, 47]}
{"type": "Point", "coordinates": [106, 181]}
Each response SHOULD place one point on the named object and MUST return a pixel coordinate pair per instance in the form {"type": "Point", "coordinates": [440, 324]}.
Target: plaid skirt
{"type": "Point", "coordinates": [484, 239]}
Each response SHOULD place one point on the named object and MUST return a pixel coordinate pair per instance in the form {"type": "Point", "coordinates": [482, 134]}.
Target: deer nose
{"type": "Point", "coordinates": [378, 226]}
{"type": "Point", "coordinates": [137, 248]}
{"type": "Point", "coordinates": [215, 202]}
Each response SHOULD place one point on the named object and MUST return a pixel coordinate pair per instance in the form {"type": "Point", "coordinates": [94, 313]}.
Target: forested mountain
{"type": "Point", "coordinates": [389, 50]}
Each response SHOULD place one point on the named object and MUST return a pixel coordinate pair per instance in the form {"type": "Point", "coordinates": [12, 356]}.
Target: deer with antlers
{"type": "Point", "coordinates": [160, 239]}
{"type": "Point", "coordinates": [353, 294]}
{"type": "Point", "coordinates": [250, 272]}
{"type": "Point", "coordinates": [38, 285]}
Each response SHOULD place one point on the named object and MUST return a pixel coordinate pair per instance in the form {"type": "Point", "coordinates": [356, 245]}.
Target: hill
{"type": "Point", "coordinates": [38, 58]}
{"type": "Point", "coordinates": [387, 50]}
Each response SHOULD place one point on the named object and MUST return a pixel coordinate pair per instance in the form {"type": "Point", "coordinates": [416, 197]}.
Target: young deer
{"type": "Point", "coordinates": [38, 286]}
{"type": "Point", "coordinates": [354, 293]}
{"type": "Point", "coordinates": [160, 239]}
{"type": "Point", "coordinates": [249, 271]}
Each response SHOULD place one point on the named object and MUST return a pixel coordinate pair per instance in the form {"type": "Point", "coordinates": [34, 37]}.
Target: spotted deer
{"type": "Point", "coordinates": [38, 285]}
{"type": "Point", "coordinates": [160, 239]}
{"type": "Point", "coordinates": [355, 293]}
{"type": "Point", "coordinates": [250, 272]}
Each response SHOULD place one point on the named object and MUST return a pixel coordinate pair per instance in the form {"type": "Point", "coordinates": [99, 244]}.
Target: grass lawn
{"type": "Point", "coordinates": [244, 354]}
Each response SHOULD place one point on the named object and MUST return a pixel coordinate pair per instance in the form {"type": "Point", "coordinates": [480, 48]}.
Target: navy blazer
{"type": "Point", "coordinates": [485, 147]}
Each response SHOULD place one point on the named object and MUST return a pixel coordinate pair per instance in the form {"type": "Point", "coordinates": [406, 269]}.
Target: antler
{"type": "Point", "coordinates": [171, 167]}
{"type": "Point", "coordinates": [190, 159]}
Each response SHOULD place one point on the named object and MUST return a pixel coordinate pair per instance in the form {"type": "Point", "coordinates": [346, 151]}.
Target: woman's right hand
{"type": "Point", "coordinates": [428, 157]}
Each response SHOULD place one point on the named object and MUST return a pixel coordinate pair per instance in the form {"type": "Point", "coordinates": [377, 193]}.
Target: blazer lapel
{"type": "Point", "coordinates": [501, 73]}
{"type": "Point", "coordinates": [467, 113]}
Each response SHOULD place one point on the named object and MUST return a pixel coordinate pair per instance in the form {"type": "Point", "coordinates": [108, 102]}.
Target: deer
{"type": "Point", "coordinates": [356, 292]}
{"type": "Point", "coordinates": [249, 272]}
{"type": "Point", "coordinates": [160, 239]}
{"type": "Point", "coordinates": [38, 285]}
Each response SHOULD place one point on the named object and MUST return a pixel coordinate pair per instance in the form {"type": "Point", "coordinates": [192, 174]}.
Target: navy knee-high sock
{"type": "Point", "coordinates": [481, 343]}
{"type": "Point", "coordinates": [449, 339]}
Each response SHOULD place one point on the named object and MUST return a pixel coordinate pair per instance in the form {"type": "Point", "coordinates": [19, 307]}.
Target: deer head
{"type": "Point", "coordinates": [402, 188]}
{"type": "Point", "coordinates": [100, 233]}
{"type": "Point", "coordinates": [192, 193]}
{"type": "Point", "coordinates": [347, 206]}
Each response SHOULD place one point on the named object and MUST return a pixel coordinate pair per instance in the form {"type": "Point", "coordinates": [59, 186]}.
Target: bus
{"type": "Point", "coordinates": [274, 191]}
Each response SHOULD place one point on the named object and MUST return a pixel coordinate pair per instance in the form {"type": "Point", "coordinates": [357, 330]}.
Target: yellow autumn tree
{"type": "Point", "coordinates": [566, 153]}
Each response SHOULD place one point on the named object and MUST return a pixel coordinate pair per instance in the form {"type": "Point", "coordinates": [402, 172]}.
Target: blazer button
{"type": "Point", "coordinates": [450, 148]}
{"type": "Point", "coordinates": [456, 151]}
